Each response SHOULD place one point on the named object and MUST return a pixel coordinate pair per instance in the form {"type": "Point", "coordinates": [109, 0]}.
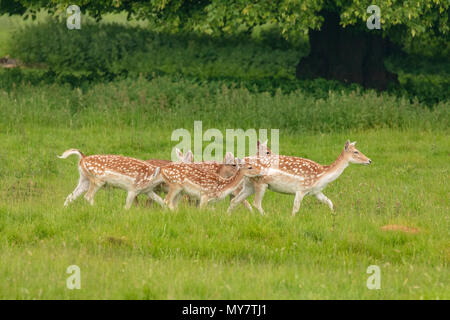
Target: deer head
{"type": "Point", "coordinates": [263, 150]}
{"type": "Point", "coordinates": [353, 155]}
{"type": "Point", "coordinates": [248, 169]}
{"type": "Point", "coordinates": [229, 166]}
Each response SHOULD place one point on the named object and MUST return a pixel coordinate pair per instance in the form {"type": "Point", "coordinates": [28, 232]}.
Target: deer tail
{"type": "Point", "coordinates": [70, 152]}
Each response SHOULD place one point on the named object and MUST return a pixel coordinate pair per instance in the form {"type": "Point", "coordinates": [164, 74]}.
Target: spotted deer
{"type": "Point", "coordinates": [299, 176]}
{"type": "Point", "coordinates": [131, 174]}
{"type": "Point", "coordinates": [162, 187]}
{"type": "Point", "coordinates": [204, 185]}
{"type": "Point", "coordinates": [225, 169]}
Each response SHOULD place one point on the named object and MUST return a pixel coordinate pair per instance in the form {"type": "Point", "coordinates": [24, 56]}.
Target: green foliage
{"type": "Point", "coordinates": [422, 77]}
{"type": "Point", "coordinates": [12, 7]}
{"type": "Point", "coordinates": [144, 103]}
{"type": "Point", "coordinates": [96, 48]}
{"type": "Point", "coordinates": [108, 50]}
{"type": "Point", "coordinates": [292, 17]}
{"type": "Point", "coordinates": [261, 62]}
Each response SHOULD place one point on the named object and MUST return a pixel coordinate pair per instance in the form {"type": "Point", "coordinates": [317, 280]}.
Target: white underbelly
{"type": "Point", "coordinates": [118, 180]}
{"type": "Point", "coordinates": [192, 190]}
{"type": "Point", "coordinates": [281, 182]}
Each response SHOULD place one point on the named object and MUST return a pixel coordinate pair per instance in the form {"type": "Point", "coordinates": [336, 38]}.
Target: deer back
{"type": "Point", "coordinates": [102, 166]}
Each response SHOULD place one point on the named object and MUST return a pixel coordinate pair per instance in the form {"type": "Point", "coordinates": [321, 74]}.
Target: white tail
{"type": "Point", "coordinates": [70, 152]}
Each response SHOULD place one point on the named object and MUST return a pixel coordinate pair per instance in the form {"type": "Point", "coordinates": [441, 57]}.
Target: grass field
{"type": "Point", "coordinates": [151, 253]}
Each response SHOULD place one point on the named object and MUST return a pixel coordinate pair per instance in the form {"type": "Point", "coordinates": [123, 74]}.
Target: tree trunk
{"type": "Point", "coordinates": [347, 55]}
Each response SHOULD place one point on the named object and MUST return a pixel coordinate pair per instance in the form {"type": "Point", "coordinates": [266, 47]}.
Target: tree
{"type": "Point", "coordinates": [342, 47]}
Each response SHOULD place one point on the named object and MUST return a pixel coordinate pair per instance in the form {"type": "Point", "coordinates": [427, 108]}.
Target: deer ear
{"type": "Point", "coordinates": [353, 143]}
{"type": "Point", "coordinates": [189, 157]}
{"type": "Point", "coordinates": [179, 154]}
{"type": "Point", "coordinates": [347, 144]}
{"type": "Point", "coordinates": [265, 143]}
{"type": "Point", "coordinates": [229, 158]}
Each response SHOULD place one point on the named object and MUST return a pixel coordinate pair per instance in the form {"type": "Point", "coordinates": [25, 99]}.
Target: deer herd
{"type": "Point", "coordinates": [211, 181]}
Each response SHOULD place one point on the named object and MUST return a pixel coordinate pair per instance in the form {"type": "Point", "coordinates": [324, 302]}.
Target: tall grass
{"type": "Point", "coordinates": [163, 100]}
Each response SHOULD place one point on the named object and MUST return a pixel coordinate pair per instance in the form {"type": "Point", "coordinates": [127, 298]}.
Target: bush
{"type": "Point", "coordinates": [260, 62]}
{"type": "Point", "coordinates": [111, 50]}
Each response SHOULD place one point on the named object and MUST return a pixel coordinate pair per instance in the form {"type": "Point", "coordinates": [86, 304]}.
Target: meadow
{"type": "Point", "coordinates": [152, 253]}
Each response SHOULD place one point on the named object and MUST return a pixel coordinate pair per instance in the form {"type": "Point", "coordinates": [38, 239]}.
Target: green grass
{"type": "Point", "coordinates": [151, 253]}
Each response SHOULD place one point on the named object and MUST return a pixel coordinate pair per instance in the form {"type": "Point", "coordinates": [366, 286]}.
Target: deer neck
{"type": "Point", "coordinates": [230, 184]}
{"type": "Point", "coordinates": [334, 170]}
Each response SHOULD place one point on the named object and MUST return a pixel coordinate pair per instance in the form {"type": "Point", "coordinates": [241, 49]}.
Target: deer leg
{"type": "Point", "coordinates": [323, 198]}
{"type": "Point", "coordinates": [244, 203]}
{"type": "Point", "coordinates": [171, 197]}
{"type": "Point", "coordinates": [260, 190]}
{"type": "Point", "coordinates": [177, 198]}
{"type": "Point", "coordinates": [247, 205]}
{"type": "Point", "coordinates": [157, 188]}
{"type": "Point", "coordinates": [246, 191]}
{"type": "Point", "coordinates": [297, 201]}
{"type": "Point", "coordinates": [130, 198]}
{"type": "Point", "coordinates": [152, 195]}
{"type": "Point", "coordinates": [203, 201]}
{"type": "Point", "coordinates": [83, 186]}
{"type": "Point", "coordinates": [93, 188]}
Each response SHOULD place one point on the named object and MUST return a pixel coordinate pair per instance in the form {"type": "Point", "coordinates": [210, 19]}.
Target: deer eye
{"type": "Point", "coordinates": [356, 152]}
{"type": "Point", "coordinates": [267, 152]}
{"type": "Point", "coordinates": [233, 165]}
{"type": "Point", "coordinates": [250, 167]}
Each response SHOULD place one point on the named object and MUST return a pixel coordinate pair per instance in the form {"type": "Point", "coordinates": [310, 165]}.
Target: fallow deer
{"type": "Point", "coordinates": [201, 184]}
{"type": "Point", "coordinates": [299, 176]}
{"type": "Point", "coordinates": [225, 169]}
{"type": "Point", "coordinates": [162, 187]}
{"type": "Point", "coordinates": [131, 174]}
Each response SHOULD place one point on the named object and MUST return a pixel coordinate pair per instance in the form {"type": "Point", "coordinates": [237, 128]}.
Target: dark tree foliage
{"type": "Point", "coordinates": [342, 47]}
